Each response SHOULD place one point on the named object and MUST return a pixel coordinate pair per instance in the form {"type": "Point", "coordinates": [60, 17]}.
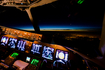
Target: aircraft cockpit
{"type": "Point", "coordinates": [23, 52]}
{"type": "Point", "coordinates": [26, 50]}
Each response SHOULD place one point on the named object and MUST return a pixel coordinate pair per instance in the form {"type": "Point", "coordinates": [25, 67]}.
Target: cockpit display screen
{"type": "Point", "coordinates": [36, 48]}
{"type": "Point", "coordinates": [4, 40]}
{"type": "Point", "coordinates": [12, 43]}
{"type": "Point", "coordinates": [28, 59]}
{"type": "Point", "coordinates": [21, 45]}
{"type": "Point", "coordinates": [48, 53]}
{"type": "Point", "coordinates": [62, 55]}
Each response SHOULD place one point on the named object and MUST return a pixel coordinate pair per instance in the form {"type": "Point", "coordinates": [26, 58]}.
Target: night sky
{"type": "Point", "coordinates": [56, 16]}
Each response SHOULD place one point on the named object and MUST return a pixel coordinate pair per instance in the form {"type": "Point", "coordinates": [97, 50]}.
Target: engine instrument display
{"type": "Point", "coordinates": [36, 48]}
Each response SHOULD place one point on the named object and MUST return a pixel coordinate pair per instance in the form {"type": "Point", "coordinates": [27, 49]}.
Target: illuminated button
{"type": "Point", "coordinates": [35, 62]}
{"type": "Point", "coordinates": [28, 59]}
{"type": "Point", "coordinates": [80, 1]}
{"type": "Point", "coordinates": [61, 55]}
{"type": "Point", "coordinates": [14, 55]}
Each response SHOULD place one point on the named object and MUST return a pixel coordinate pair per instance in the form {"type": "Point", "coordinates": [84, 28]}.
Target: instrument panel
{"type": "Point", "coordinates": [35, 55]}
{"type": "Point", "coordinates": [42, 50]}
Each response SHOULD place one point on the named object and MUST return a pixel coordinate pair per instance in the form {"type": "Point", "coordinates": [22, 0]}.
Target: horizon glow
{"type": "Point", "coordinates": [61, 28]}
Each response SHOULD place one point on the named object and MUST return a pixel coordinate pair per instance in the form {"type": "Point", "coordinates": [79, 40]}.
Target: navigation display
{"type": "Point", "coordinates": [12, 42]}
{"type": "Point", "coordinates": [36, 48]}
{"type": "Point", "coordinates": [48, 53]}
{"type": "Point", "coordinates": [21, 45]}
{"type": "Point", "coordinates": [4, 40]}
{"type": "Point", "coordinates": [62, 55]}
